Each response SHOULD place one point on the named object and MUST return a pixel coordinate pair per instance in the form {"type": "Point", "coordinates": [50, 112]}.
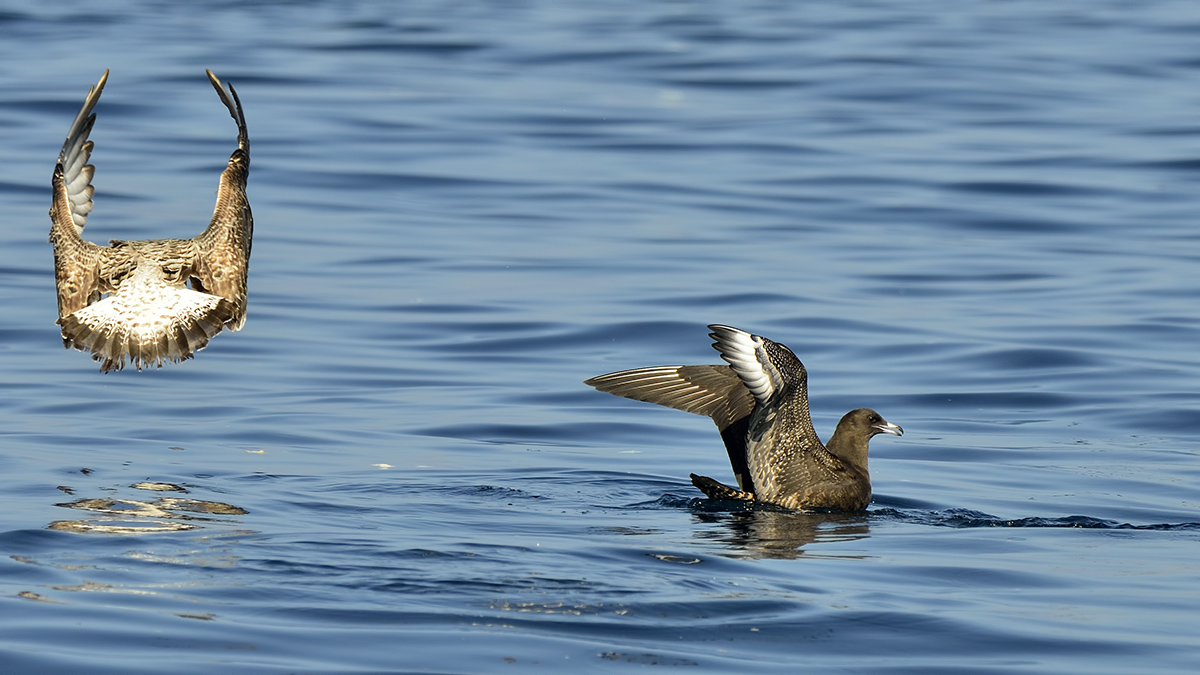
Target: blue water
{"type": "Point", "coordinates": [979, 219]}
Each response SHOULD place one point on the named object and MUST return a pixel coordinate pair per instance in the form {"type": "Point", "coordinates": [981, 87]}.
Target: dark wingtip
{"type": "Point", "coordinates": [234, 104]}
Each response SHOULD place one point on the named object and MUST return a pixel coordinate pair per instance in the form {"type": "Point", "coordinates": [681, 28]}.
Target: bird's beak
{"type": "Point", "coordinates": [889, 428]}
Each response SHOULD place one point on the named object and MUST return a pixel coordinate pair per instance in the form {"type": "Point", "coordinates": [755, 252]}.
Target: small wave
{"type": "Point", "coordinates": [964, 518]}
{"type": "Point", "coordinates": [956, 518]}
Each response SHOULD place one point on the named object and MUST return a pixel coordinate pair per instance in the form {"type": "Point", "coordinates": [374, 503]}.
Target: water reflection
{"type": "Point", "coordinates": [144, 516]}
{"type": "Point", "coordinates": [769, 533]}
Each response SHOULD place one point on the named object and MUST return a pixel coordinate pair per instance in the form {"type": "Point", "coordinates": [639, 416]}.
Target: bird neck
{"type": "Point", "coordinates": [850, 446]}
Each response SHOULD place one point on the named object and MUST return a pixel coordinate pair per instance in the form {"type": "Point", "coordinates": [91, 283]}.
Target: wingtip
{"type": "Point", "coordinates": [216, 83]}
{"type": "Point", "coordinates": [728, 339]}
{"type": "Point", "coordinates": [234, 104]}
{"type": "Point", "coordinates": [604, 382]}
{"type": "Point", "coordinates": [723, 332]}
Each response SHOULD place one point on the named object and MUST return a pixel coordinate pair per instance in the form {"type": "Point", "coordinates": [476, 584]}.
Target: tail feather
{"type": "Point", "coordinates": [117, 332]}
{"type": "Point", "coordinates": [716, 490]}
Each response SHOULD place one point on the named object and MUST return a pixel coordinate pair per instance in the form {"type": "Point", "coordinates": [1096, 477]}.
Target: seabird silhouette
{"type": "Point", "coordinates": [760, 405]}
{"type": "Point", "coordinates": [149, 315]}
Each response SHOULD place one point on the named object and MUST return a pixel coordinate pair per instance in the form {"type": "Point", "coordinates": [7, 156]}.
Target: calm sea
{"type": "Point", "coordinates": [979, 218]}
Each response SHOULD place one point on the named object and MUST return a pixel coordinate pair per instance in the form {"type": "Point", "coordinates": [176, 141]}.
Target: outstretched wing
{"type": "Point", "coordinates": [714, 391]}
{"type": "Point", "coordinates": [76, 262]}
{"type": "Point", "coordinates": [224, 247]}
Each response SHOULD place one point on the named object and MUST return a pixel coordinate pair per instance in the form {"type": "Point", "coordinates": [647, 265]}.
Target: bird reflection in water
{"type": "Point", "coordinates": [772, 533]}
{"type": "Point", "coordinates": [137, 516]}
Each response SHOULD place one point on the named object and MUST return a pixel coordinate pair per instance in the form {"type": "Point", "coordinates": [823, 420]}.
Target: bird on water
{"type": "Point", "coordinates": [760, 405]}
{"type": "Point", "coordinates": [130, 300]}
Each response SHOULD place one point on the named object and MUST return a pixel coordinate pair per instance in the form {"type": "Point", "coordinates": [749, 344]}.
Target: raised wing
{"type": "Point", "coordinates": [787, 462]}
{"type": "Point", "coordinates": [764, 366]}
{"type": "Point", "coordinates": [76, 261]}
{"type": "Point", "coordinates": [224, 247]}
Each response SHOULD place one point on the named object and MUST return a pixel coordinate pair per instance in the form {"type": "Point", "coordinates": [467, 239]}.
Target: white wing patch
{"type": "Point", "coordinates": [748, 356]}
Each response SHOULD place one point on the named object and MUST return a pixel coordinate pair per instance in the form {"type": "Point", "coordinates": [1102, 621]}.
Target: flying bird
{"type": "Point", "coordinates": [130, 301]}
{"type": "Point", "coordinates": [760, 404]}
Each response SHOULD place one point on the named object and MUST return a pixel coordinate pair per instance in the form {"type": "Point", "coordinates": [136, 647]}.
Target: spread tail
{"type": "Point", "coordinates": [116, 331]}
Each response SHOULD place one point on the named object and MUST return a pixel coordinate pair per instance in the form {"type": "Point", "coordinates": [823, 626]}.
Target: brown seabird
{"type": "Point", "coordinates": [148, 315]}
{"type": "Point", "coordinates": [760, 404]}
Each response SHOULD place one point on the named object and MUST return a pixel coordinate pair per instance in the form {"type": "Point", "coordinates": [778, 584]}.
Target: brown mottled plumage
{"type": "Point", "coordinates": [760, 404]}
{"type": "Point", "coordinates": [149, 316]}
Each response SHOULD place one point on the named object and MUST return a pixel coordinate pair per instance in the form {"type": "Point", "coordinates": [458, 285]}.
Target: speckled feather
{"type": "Point", "coordinates": [149, 316]}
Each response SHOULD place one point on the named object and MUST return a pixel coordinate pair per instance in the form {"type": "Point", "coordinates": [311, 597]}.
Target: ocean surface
{"type": "Point", "coordinates": [981, 219]}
